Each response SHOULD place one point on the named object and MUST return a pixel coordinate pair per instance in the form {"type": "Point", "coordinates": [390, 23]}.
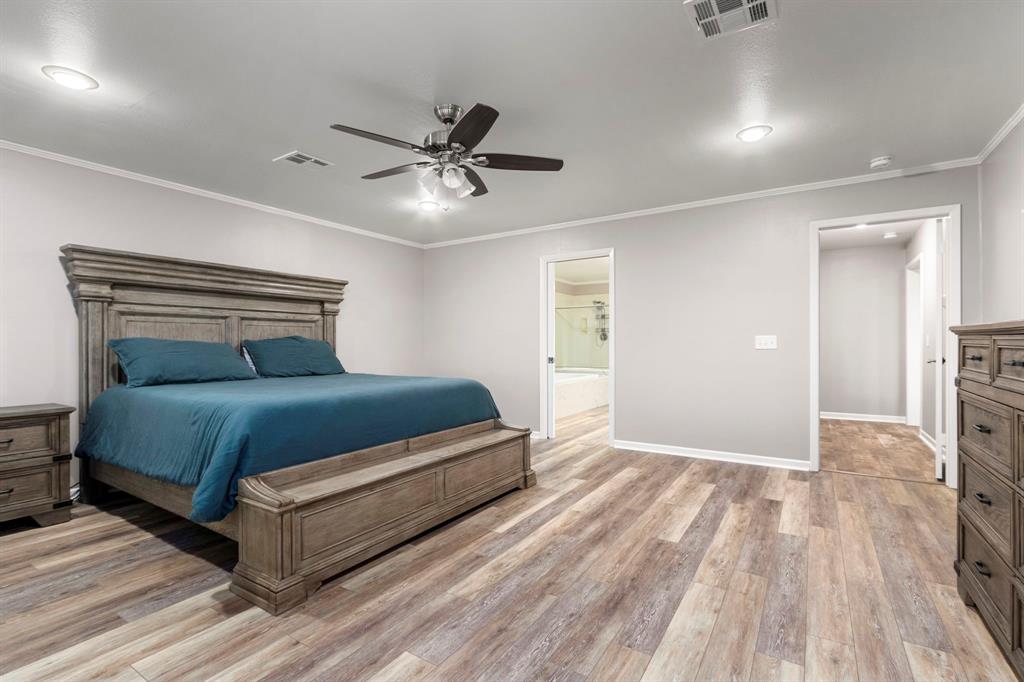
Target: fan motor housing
{"type": "Point", "coordinates": [436, 141]}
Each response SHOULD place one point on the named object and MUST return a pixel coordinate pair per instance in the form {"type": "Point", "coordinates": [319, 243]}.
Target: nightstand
{"type": "Point", "coordinates": [35, 463]}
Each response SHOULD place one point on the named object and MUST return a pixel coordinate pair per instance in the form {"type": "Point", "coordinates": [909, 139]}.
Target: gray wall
{"type": "Point", "coordinates": [862, 330]}
{"type": "Point", "coordinates": [1001, 181]}
{"type": "Point", "coordinates": [693, 288]}
{"type": "Point", "coordinates": [46, 204]}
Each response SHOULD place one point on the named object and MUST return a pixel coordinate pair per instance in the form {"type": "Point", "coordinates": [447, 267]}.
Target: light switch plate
{"type": "Point", "coordinates": [766, 342]}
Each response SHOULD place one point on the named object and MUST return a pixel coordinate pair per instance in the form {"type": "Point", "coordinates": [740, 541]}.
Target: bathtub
{"type": "Point", "coordinates": [578, 389]}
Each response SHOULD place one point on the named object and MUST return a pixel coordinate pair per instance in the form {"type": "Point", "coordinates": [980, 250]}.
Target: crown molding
{"type": "Point", "coordinates": [1001, 134]}
{"type": "Point", "coordinates": [167, 184]}
{"type": "Point", "coordinates": [728, 199]}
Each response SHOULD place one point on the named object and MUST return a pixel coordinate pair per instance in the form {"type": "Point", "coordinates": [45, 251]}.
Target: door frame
{"type": "Point", "coordinates": [547, 333]}
{"type": "Point", "coordinates": [948, 249]}
{"type": "Point", "coordinates": [914, 320]}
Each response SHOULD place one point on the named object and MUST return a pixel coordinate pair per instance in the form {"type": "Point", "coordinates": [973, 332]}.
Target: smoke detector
{"type": "Point", "coordinates": [718, 17]}
{"type": "Point", "coordinates": [299, 159]}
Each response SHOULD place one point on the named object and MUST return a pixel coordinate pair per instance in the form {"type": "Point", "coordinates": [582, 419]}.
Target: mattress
{"type": "Point", "coordinates": [212, 434]}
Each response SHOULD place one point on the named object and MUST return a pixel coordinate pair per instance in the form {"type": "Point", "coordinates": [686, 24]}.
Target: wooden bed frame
{"type": "Point", "coordinates": [297, 526]}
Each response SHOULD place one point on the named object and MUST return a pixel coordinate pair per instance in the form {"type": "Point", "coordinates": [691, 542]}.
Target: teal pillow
{"type": "Point", "coordinates": [293, 356]}
{"type": "Point", "coordinates": [148, 362]}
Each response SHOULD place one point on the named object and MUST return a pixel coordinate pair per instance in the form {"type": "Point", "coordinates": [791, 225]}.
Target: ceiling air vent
{"type": "Point", "coordinates": [299, 158]}
{"type": "Point", "coordinates": [718, 17]}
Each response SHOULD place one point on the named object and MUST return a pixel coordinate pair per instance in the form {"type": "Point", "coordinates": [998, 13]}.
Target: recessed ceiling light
{"type": "Point", "coordinates": [862, 226]}
{"type": "Point", "coordinates": [429, 205]}
{"type": "Point", "coordinates": [880, 162]}
{"type": "Point", "coordinates": [754, 133]}
{"type": "Point", "coordinates": [69, 78]}
{"type": "Point", "coordinates": [889, 235]}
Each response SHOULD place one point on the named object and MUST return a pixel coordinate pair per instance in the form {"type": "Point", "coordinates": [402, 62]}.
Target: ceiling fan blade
{"type": "Point", "coordinates": [517, 162]}
{"type": "Point", "coordinates": [473, 125]}
{"type": "Point", "coordinates": [407, 168]}
{"type": "Point", "coordinates": [475, 180]}
{"type": "Point", "coordinates": [378, 138]}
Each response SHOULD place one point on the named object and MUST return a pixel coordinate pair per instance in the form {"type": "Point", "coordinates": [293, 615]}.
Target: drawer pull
{"type": "Point", "coordinates": [981, 428]}
{"type": "Point", "coordinates": [6, 441]}
{"type": "Point", "coordinates": [1014, 363]}
{"type": "Point", "coordinates": [973, 358]}
{"type": "Point", "coordinates": [982, 569]}
{"type": "Point", "coordinates": [6, 491]}
{"type": "Point", "coordinates": [983, 498]}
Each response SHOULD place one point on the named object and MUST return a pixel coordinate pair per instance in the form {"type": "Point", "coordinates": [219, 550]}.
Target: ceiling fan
{"type": "Point", "coordinates": [451, 153]}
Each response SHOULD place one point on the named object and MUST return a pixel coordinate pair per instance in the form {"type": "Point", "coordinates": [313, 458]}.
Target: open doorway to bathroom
{"type": "Point", "coordinates": [885, 290]}
{"type": "Point", "coordinates": [577, 362]}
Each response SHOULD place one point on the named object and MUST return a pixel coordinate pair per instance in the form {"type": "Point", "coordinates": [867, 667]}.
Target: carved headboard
{"type": "Point", "coordinates": [120, 294]}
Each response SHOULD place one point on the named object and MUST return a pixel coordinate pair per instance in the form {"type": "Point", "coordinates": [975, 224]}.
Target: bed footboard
{"type": "Point", "coordinates": [301, 525]}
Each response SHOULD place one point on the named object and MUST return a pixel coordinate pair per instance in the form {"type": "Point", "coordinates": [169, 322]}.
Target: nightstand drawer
{"type": "Point", "coordinates": [29, 487]}
{"type": "Point", "coordinates": [33, 436]}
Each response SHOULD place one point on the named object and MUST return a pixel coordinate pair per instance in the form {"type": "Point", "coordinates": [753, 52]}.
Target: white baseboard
{"type": "Point", "coordinates": [696, 453]}
{"type": "Point", "coordinates": [926, 439]}
{"type": "Point", "coordinates": [852, 416]}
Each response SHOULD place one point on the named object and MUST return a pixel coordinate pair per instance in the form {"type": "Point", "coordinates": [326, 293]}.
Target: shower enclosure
{"type": "Point", "coordinates": [582, 335]}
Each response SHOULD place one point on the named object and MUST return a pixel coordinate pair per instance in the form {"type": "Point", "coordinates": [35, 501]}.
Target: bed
{"type": "Point", "coordinates": [333, 469]}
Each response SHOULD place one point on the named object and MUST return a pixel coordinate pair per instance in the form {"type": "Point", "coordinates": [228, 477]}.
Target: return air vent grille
{"type": "Point", "coordinates": [714, 18]}
{"type": "Point", "coordinates": [299, 158]}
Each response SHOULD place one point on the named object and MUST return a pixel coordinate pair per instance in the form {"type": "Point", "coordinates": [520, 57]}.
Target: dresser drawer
{"type": "Point", "coordinates": [1008, 363]}
{"type": "Point", "coordinates": [1017, 646]}
{"type": "Point", "coordinates": [983, 567]}
{"type": "Point", "coordinates": [1020, 451]}
{"type": "Point", "coordinates": [29, 487]}
{"type": "Point", "coordinates": [32, 436]}
{"type": "Point", "coordinates": [1018, 536]}
{"type": "Point", "coordinates": [976, 359]}
{"type": "Point", "coordinates": [990, 504]}
{"type": "Point", "coordinates": [986, 432]}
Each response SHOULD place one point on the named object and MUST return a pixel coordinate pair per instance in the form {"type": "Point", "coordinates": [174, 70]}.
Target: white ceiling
{"type": "Point", "coordinates": [869, 235]}
{"type": "Point", "coordinates": [643, 110]}
{"type": "Point", "coordinates": [587, 270]}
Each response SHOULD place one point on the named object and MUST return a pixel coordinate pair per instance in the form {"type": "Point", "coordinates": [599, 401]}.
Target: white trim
{"type": "Point", "coordinates": [547, 282]}
{"type": "Point", "coordinates": [913, 333]}
{"type": "Point", "coordinates": [731, 198]}
{"type": "Point", "coordinates": [562, 280]}
{"type": "Point", "coordinates": [953, 317]}
{"type": "Point", "coordinates": [854, 417]}
{"type": "Point", "coordinates": [1001, 134]}
{"type": "Point", "coordinates": [926, 439]}
{"type": "Point", "coordinates": [167, 184]}
{"type": "Point", "coordinates": [717, 455]}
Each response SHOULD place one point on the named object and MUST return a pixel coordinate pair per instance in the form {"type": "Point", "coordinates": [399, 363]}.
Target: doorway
{"type": "Point", "coordinates": [883, 296]}
{"type": "Point", "coordinates": [577, 345]}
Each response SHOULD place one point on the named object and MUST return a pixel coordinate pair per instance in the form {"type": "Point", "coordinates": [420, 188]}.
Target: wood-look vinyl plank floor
{"type": "Point", "coordinates": [619, 565]}
{"type": "Point", "coordinates": [891, 451]}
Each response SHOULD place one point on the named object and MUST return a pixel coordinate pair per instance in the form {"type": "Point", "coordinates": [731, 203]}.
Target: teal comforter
{"type": "Point", "coordinates": [209, 435]}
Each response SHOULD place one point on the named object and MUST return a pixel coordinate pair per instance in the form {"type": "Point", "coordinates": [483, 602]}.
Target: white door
{"type": "Point", "coordinates": [549, 283]}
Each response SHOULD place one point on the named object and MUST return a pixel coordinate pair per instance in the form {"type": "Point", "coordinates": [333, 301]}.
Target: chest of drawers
{"type": "Point", "coordinates": [990, 509]}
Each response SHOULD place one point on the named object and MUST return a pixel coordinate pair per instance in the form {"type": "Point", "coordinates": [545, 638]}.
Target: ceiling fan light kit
{"type": "Point", "coordinates": [449, 171]}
